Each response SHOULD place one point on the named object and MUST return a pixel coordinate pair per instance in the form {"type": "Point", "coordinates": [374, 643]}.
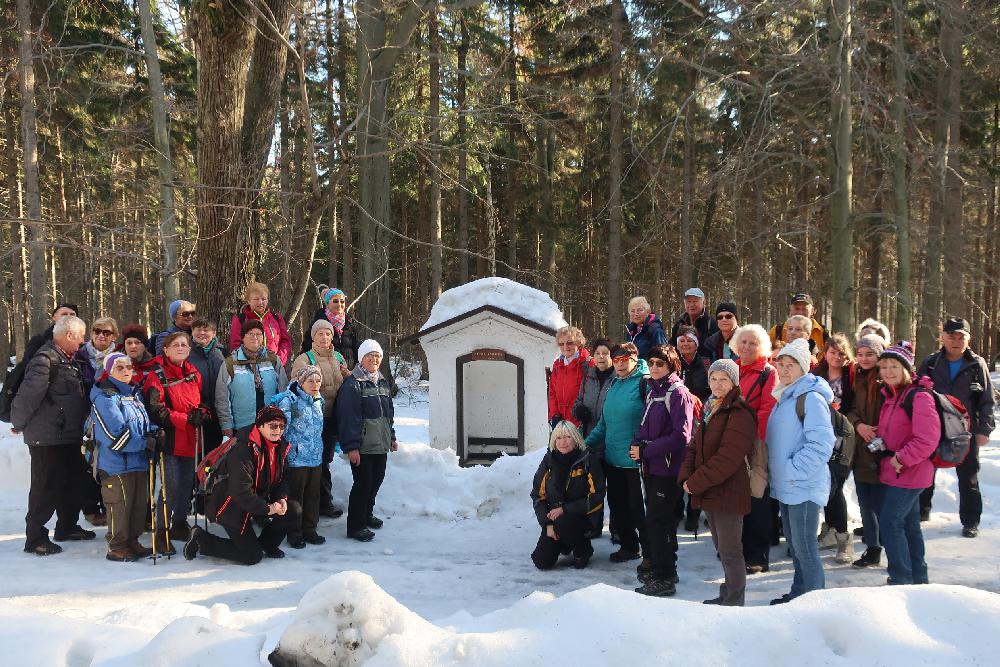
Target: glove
{"type": "Point", "coordinates": [206, 411]}
{"type": "Point", "coordinates": [156, 441]}
{"type": "Point", "coordinates": [555, 420]}
{"type": "Point", "coordinates": [196, 417]}
{"type": "Point", "coordinates": [581, 412]}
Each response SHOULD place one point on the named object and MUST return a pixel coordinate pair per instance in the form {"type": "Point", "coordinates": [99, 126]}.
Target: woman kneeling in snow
{"type": "Point", "coordinates": [568, 495]}
{"type": "Point", "coordinates": [251, 485]}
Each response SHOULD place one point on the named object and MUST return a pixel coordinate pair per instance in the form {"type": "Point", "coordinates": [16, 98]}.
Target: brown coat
{"type": "Point", "coordinates": [715, 467]}
{"type": "Point", "coordinates": [868, 400]}
{"type": "Point", "coordinates": [332, 376]}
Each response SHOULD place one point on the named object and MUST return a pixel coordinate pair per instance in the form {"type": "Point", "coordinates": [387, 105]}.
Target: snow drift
{"type": "Point", "coordinates": [528, 302]}
{"type": "Point", "coordinates": [348, 619]}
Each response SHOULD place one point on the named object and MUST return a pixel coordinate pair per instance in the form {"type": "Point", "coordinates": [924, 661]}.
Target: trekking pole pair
{"type": "Point", "coordinates": [163, 499]}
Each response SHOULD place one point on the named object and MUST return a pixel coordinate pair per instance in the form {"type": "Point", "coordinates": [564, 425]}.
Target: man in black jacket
{"type": "Point", "coordinates": [960, 372]}
{"type": "Point", "coordinates": [252, 489]}
{"type": "Point", "coordinates": [49, 409]}
{"type": "Point", "coordinates": [695, 315]}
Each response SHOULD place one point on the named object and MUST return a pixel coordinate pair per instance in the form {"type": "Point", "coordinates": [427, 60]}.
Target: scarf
{"type": "Point", "coordinates": [708, 408]}
{"type": "Point", "coordinates": [337, 320]}
{"type": "Point", "coordinates": [779, 388]}
{"type": "Point", "coordinates": [97, 357]}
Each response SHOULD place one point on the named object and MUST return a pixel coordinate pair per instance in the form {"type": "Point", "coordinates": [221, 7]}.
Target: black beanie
{"type": "Point", "coordinates": [727, 307]}
{"type": "Point", "coordinates": [250, 325]}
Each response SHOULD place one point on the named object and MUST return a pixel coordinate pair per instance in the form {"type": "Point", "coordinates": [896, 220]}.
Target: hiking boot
{"type": "Point", "coordinates": [274, 552]}
{"type": "Point", "coordinates": [827, 538]}
{"type": "Point", "coordinates": [121, 555]}
{"type": "Point", "coordinates": [96, 520]}
{"type": "Point", "coordinates": [76, 534]}
{"type": "Point", "coordinates": [657, 588]}
{"type": "Point", "coordinates": [313, 538]}
{"type": "Point", "coordinates": [845, 548]}
{"type": "Point", "coordinates": [872, 557]}
{"type": "Point", "coordinates": [580, 562]}
{"type": "Point", "coordinates": [925, 514]}
{"type": "Point", "coordinates": [624, 555]}
{"type": "Point", "coordinates": [191, 547]}
{"type": "Point", "coordinates": [717, 600]}
{"type": "Point", "coordinates": [644, 567]}
{"type": "Point", "coordinates": [614, 537]}
{"type": "Point", "coordinates": [180, 530]}
{"type": "Point", "coordinates": [970, 531]}
{"type": "Point", "coordinates": [161, 545]}
{"type": "Point", "coordinates": [859, 531]}
{"type": "Point", "coordinates": [296, 542]}
{"type": "Point", "coordinates": [363, 535]}
{"type": "Point", "coordinates": [139, 550]}
{"type": "Point", "coordinates": [332, 512]}
{"type": "Point", "coordinates": [787, 597]}
{"type": "Point", "coordinates": [45, 548]}
{"type": "Point", "coordinates": [375, 522]}
{"type": "Point", "coordinates": [758, 568]}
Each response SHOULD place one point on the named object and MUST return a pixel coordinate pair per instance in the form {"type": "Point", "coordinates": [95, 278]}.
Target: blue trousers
{"type": "Point", "coordinates": [801, 523]}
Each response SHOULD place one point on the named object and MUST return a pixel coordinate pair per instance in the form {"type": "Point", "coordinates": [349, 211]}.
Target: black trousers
{"type": "Point", "coordinates": [368, 476]}
{"type": "Point", "coordinates": [91, 501]}
{"type": "Point", "coordinates": [326, 477]}
{"type": "Point", "coordinates": [627, 511]}
{"type": "Point", "coordinates": [572, 530]}
{"type": "Point", "coordinates": [758, 527]}
{"type": "Point", "coordinates": [836, 507]}
{"type": "Point", "coordinates": [56, 487]}
{"type": "Point", "coordinates": [303, 500]}
{"type": "Point", "coordinates": [662, 496]}
{"type": "Point", "coordinates": [970, 500]}
{"type": "Point", "coordinates": [247, 548]}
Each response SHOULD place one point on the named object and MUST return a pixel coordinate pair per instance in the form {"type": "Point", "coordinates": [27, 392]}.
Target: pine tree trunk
{"type": "Point", "coordinates": [463, 153]}
{"type": "Point", "coordinates": [616, 308]}
{"type": "Point", "coordinates": [842, 267]}
{"type": "Point", "coordinates": [434, 110]}
{"type": "Point", "coordinates": [900, 184]}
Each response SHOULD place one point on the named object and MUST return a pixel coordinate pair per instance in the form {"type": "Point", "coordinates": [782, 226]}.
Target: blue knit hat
{"type": "Point", "coordinates": [174, 307]}
{"type": "Point", "coordinates": [331, 292]}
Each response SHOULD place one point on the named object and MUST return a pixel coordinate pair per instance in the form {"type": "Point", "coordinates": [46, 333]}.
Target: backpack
{"type": "Point", "coordinates": [311, 356]}
{"type": "Point", "coordinates": [956, 434]}
{"type": "Point", "coordinates": [206, 476]}
{"type": "Point", "coordinates": [14, 379]}
{"type": "Point", "coordinates": [843, 430]}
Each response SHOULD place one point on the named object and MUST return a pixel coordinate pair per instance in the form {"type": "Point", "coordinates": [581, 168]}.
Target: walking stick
{"type": "Point", "coordinates": [152, 503]}
{"type": "Point", "coordinates": [199, 456]}
{"type": "Point", "coordinates": [163, 494]}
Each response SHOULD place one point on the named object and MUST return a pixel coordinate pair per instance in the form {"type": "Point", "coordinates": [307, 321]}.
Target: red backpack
{"type": "Point", "coordinates": [206, 477]}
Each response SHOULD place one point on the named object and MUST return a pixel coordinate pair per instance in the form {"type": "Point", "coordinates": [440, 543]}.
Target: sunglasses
{"type": "Point", "coordinates": [725, 316]}
{"type": "Point", "coordinates": [621, 357]}
{"type": "Point", "coordinates": [122, 367]}
{"type": "Point", "coordinates": [187, 313]}
{"type": "Point", "coordinates": [275, 426]}
{"type": "Point", "coordinates": [657, 363]}
{"type": "Point", "coordinates": [337, 301]}
{"type": "Point", "coordinates": [104, 332]}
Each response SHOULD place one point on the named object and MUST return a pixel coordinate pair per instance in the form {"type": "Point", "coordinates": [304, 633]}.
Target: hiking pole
{"type": "Point", "coordinates": [152, 503]}
{"type": "Point", "coordinates": [199, 451]}
{"type": "Point", "coordinates": [163, 494]}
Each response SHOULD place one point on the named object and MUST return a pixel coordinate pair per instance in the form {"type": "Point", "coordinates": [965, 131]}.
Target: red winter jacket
{"type": "Point", "coordinates": [564, 385]}
{"type": "Point", "coordinates": [913, 440]}
{"type": "Point", "coordinates": [276, 336]}
{"type": "Point", "coordinates": [182, 395]}
{"type": "Point", "coordinates": [759, 397]}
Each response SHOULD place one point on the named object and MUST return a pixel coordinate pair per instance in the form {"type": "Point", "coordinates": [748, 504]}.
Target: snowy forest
{"type": "Point", "coordinates": [592, 149]}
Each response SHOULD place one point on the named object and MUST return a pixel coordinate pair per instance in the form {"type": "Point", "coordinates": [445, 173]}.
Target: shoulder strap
{"type": "Point", "coordinates": [230, 366]}
{"type": "Point", "coordinates": [311, 357]}
{"type": "Point", "coordinates": [800, 407]}
{"type": "Point", "coordinates": [242, 317]}
{"type": "Point", "coordinates": [758, 384]}
{"type": "Point", "coordinates": [907, 402]}
{"type": "Point", "coordinates": [162, 377]}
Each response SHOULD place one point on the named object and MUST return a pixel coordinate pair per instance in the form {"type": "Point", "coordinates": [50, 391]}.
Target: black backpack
{"type": "Point", "coordinates": [843, 430]}
{"type": "Point", "coordinates": [14, 379]}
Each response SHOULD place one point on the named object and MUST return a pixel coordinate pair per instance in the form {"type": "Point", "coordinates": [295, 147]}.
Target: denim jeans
{"type": "Point", "coordinates": [870, 501]}
{"type": "Point", "coordinates": [902, 537]}
{"type": "Point", "coordinates": [801, 523]}
{"type": "Point", "coordinates": [178, 478]}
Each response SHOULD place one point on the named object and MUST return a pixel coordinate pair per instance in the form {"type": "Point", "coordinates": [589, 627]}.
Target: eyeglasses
{"type": "Point", "coordinates": [187, 313]}
{"type": "Point", "coordinates": [104, 332]}
{"type": "Point", "coordinates": [337, 301]}
{"type": "Point", "coordinates": [657, 363]}
{"type": "Point", "coordinates": [725, 316]}
{"type": "Point", "coordinates": [275, 426]}
{"type": "Point", "coordinates": [122, 367]}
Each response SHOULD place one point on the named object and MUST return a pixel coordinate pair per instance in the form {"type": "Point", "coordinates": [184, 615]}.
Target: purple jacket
{"type": "Point", "coordinates": [666, 432]}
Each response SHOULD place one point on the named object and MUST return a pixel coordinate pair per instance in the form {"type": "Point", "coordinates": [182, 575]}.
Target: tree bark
{"type": "Point", "coordinates": [688, 167]}
{"type": "Point", "coordinates": [615, 298]}
{"type": "Point", "coordinates": [39, 294]}
{"type": "Point", "coordinates": [164, 163]}
{"type": "Point", "coordinates": [842, 227]}
{"type": "Point", "coordinates": [900, 185]}
{"type": "Point", "coordinates": [463, 153]}
{"type": "Point", "coordinates": [434, 74]}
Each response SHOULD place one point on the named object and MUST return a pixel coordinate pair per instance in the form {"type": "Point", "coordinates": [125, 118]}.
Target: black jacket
{"type": "Point", "coordinates": [705, 326]}
{"type": "Point", "coordinates": [578, 488]}
{"type": "Point", "coordinates": [51, 404]}
{"type": "Point", "coordinates": [245, 487]}
{"type": "Point", "coordinates": [711, 348]}
{"type": "Point", "coordinates": [971, 386]}
{"type": "Point", "coordinates": [347, 342]}
{"type": "Point", "coordinates": [695, 375]}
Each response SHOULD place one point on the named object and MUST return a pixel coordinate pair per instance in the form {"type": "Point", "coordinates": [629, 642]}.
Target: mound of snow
{"type": "Point", "coordinates": [347, 619]}
{"type": "Point", "coordinates": [528, 302]}
{"type": "Point", "coordinates": [15, 463]}
{"type": "Point", "coordinates": [193, 642]}
{"type": "Point", "coordinates": [422, 481]}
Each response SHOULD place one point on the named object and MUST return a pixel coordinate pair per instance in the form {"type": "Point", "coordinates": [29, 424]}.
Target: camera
{"type": "Point", "coordinates": [876, 445]}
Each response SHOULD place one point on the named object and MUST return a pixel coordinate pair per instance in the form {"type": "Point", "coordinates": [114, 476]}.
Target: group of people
{"type": "Point", "coordinates": [106, 412]}
{"type": "Point", "coordinates": [760, 430]}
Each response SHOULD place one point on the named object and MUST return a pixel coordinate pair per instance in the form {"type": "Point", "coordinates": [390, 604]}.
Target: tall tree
{"type": "Point", "coordinates": [900, 186]}
{"type": "Point", "coordinates": [841, 197]}
{"type": "Point", "coordinates": [615, 159]}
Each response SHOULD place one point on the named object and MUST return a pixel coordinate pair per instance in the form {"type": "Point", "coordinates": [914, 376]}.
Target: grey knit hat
{"type": "Point", "coordinates": [873, 342]}
{"type": "Point", "coordinates": [727, 366]}
{"type": "Point", "coordinates": [306, 372]}
{"type": "Point", "coordinates": [321, 323]}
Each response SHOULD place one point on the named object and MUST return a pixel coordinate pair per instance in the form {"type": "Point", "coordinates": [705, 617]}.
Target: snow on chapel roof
{"type": "Point", "coordinates": [521, 300]}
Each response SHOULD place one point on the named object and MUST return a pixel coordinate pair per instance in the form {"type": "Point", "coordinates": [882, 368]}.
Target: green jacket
{"type": "Point", "coordinates": [620, 418]}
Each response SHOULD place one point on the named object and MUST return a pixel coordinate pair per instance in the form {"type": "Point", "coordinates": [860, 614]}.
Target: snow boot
{"type": "Point", "coordinates": [181, 530]}
{"type": "Point", "coordinates": [363, 535]}
{"type": "Point", "coordinates": [872, 557]}
{"type": "Point", "coordinates": [45, 548]}
{"type": "Point", "coordinates": [580, 562]}
{"type": "Point", "coordinates": [375, 522]}
{"type": "Point", "coordinates": [657, 588]}
{"type": "Point", "coordinates": [623, 555]}
{"type": "Point", "coordinates": [845, 548]}
{"type": "Point", "coordinates": [140, 551]}
{"type": "Point", "coordinates": [296, 542]}
{"type": "Point", "coordinates": [97, 520]}
{"type": "Point", "coordinates": [827, 537]}
{"type": "Point", "coordinates": [191, 547]}
{"type": "Point", "coordinates": [162, 545]}
{"type": "Point", "coordinates": [76, 534]}
{"type": "Point", "coordinates": [331, 512]}
{"type": "Point", "coordinates": [121, 555]}
{"type": "Point", "coordinates": [313, 538]}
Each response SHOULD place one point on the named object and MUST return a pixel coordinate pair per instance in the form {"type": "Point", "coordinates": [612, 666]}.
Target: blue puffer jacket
{"type": "Point", "coordinates": [304, 432]}
{"type": "Point", "coordinates": [620, 419]}
{"type": "Point", "coordinates": [121, 425]}
{"type": "Point", "coordinates": [798, 452]}
{"type": "Point", "coordinates": [236, 395]}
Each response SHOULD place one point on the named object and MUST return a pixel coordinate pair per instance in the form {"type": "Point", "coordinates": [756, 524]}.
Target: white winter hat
{"type": "Point", "coordinates": [367, 347]}
{"type": "Point", "coordinates": [798, 349]}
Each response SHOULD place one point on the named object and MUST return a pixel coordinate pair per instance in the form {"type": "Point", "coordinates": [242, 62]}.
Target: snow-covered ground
{"type": "Point", "coordinates": [448, 580]}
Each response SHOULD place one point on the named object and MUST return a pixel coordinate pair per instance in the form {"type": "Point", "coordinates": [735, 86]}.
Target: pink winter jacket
{"type": "Point", "coordinates": [914, 442]}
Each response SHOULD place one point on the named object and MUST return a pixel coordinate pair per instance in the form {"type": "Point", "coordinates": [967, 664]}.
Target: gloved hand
{"type": "Point", "coordinates": [555, 421]}
{"type": "Point", "coordinates": [156, 441]}
{"type": "Point", "coordinates": [195, 417]}
{"type": "Point", "coordinates": [581, 412]}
